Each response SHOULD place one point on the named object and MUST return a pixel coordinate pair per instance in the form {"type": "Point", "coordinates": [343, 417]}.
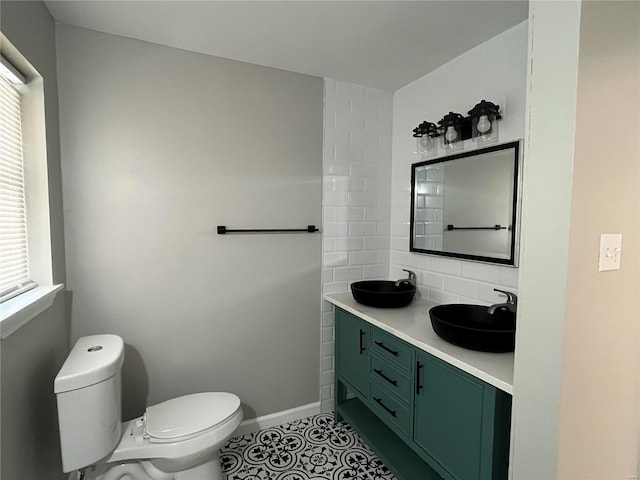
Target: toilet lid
{"type": "Point", "coordinates": [188, 415]}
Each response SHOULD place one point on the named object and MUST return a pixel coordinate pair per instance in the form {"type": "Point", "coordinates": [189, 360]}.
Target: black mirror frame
{"type": "Point", "coordinates": [512, 261]}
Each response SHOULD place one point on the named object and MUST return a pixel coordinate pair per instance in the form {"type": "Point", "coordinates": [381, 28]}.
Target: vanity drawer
{"type": "Point", "coordinates": [391, 378]}
{"type": "Point", "coordinates": [391, 411]}
{"type": "Point", "coordinates": [392, 349]}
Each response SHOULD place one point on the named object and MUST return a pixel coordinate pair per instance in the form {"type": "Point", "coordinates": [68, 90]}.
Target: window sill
{"type": "Point", "coordinates": [16, 312]}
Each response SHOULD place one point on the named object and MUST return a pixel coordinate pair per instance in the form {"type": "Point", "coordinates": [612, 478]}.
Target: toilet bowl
{"type": "Point", "coordinates": [178, 439]}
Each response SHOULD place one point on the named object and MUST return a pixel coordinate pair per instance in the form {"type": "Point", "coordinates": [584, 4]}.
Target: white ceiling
{"type": "Point", "coordinates": [380, 44]}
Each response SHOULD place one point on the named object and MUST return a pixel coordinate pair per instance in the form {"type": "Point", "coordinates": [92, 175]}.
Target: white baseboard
{"type": "Point", "coordinates": [279, 418]}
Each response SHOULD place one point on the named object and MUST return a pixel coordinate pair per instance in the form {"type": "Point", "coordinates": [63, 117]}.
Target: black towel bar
{"type": "Point", "coordinates": [494, 227]}
{"type": "Point", "coordinates": [222, 230]}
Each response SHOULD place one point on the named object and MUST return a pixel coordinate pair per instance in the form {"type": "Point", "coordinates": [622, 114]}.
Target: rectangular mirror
{"type": "Point", "coordinates": [467, 205]}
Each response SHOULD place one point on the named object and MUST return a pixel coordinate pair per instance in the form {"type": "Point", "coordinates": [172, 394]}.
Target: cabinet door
{"type": "Point", "coordinates": [352, 351]}
{"type": "Point", "coordinates": [448, 421]}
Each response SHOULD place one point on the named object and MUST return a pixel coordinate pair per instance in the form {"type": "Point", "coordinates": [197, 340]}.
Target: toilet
{"type": "Point", "coordinates": [178, 439]}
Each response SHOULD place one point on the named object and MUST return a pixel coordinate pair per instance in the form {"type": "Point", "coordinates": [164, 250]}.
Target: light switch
{"type": "Point", "coordinates": [610, 251]}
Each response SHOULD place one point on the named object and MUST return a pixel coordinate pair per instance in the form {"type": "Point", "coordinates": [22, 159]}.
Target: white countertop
{"type": "Point", "coordinates": [412, 324]}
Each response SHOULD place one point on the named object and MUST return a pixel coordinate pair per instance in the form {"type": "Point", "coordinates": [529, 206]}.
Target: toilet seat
{"type": "Point", "coordinates": [135, 445]}
{"type": "Point", "coordinates": [188, 416]}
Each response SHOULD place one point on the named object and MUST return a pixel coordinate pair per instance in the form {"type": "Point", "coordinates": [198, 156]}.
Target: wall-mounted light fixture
{"type": "Point", "coordinates": [426, 134]}
{"type": "Point", "coordinates": [451, 126]}
{"type": "Point", "coordinates": [480, 124]}
{"type": "Point", "coordinates": [484, 125]}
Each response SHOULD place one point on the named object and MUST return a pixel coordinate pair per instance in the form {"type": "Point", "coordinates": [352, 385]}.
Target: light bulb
{"type": "Point", "coordinates": [425, 141]}
{"type": "Point", "coordinates": [451, 134]}
{"type": "Point", "coordinates": [484, 125]}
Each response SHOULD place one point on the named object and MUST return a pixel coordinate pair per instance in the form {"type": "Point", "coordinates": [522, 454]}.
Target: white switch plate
{"type": "Point", "coordinates": [610, 251]}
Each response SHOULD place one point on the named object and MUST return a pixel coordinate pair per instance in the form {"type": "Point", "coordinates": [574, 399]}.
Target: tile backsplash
{"type": "Point", "coordinates": [368, 152]}
{"type": "Point", "coordinates": [356, 200]}
{"type": "Point", "coordinates": [356, 184]}
{"type": "Point", "coordinates": [500, 69]}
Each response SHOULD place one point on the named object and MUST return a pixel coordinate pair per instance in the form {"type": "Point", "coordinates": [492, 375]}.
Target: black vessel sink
{"type": "Point", "coordinates": [473, 327]}
{"type": "Point", "coordinates": [383, 293]}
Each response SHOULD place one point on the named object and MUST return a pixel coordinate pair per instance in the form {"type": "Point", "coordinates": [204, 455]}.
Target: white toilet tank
{"type": "Point", "coordinates": [88, 391]}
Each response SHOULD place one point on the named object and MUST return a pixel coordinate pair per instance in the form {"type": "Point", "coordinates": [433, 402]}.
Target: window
{"type": "Point", "coordinates": [26, 277]}
{"type": "Point", "coordinates": [14, 259]}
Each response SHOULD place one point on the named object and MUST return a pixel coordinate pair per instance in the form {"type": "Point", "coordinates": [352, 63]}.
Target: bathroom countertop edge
{"type": "Point", "coordinates": [412, 325]}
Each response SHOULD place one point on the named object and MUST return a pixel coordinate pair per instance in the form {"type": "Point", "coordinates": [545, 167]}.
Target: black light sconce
{"type": "Point", "coordinates": [453, 127]}
{"type": "Point", "coordinates": [481, 125]}
{"type": "Point", "coordinates": [426, 134]}
{"type": "Point", "coordinates": [484, 125]}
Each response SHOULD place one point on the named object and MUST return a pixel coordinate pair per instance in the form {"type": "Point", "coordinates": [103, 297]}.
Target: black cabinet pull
{"type": "Point", "coordinates": [418, 386]}
{"type": "Point", "coordinates": [362, 349]}
{"type": "Point", "coordinates": [392, 382]}
{"type": "Point", "coordinates": [383, 346]}
{"type": "Point", "coordinates": [379, 402]}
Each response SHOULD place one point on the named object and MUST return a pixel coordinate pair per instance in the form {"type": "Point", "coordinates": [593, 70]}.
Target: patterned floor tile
{"type": "Point", "coordinates": [314, 448]}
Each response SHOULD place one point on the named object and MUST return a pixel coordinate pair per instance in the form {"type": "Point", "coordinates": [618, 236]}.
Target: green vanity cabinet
{"type": "Point", "coordinates": [459, 421]}
{"type": "Point", "coordinates": [425, 418]}
{"type": "Point", "coordinates": [352, 351]}
{"type": "Point", "coordinates": [391, 381]}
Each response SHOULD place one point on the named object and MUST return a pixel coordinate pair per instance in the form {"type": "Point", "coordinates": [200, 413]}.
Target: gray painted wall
{"type": "Point", "coordinates": [161, 145]}
{"type": "Point", "coordinates": [31, 357]}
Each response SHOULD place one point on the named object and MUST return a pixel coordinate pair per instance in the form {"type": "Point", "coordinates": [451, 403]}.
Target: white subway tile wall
{"type": "Point", "coordinates": [499, 72]}
{"type": "Point", "coordinates": [356, 202]}
{"type": "Point", "coordinates": [367, 179]}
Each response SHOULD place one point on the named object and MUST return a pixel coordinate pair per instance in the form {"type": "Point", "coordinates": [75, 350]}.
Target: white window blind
{"type": "Point", "coordinates": [14, 259]}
